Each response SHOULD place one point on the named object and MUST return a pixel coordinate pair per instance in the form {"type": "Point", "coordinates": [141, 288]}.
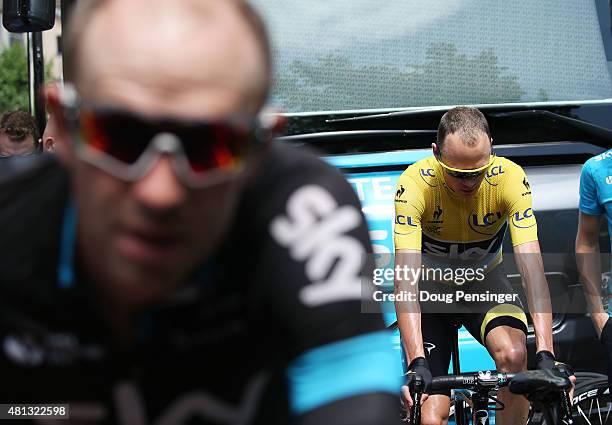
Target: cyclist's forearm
{"type": "Point", "coordinates": [589, 266]}
{"type": "Point", "coordinates": [535, 285]}
{"type": "Point", "coordinates": [408, 310]}
{"type": "Point", "coordinates": [410, 331]}
{"type": "Point", "coordinates": [538, 299]}
{"type": "Point", "coordinates": [542, 323]}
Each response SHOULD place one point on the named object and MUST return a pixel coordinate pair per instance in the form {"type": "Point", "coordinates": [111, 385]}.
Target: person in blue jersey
{"type": "Point", "coordinates": [595, 203]}
{"type": "Point", "coordinates": [171, 264]}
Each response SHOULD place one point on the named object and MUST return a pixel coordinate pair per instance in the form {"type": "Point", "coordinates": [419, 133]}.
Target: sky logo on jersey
{"type": "Point", "coordinates": [609, 180]}
{"type": "Point", "coordinates": [318, 233]}
{"type": "Point", "coordinates": [523, 219]}
{"type": "Point", "coordinates": [466, 251]}
{"type": "Point", "coordinates": [404, 221]}
{"type": "Point", "coordinates": [603, 156]}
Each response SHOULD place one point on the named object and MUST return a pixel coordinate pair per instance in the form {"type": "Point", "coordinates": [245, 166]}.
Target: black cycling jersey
{"type": "Point", "coordinates": [278, 338]}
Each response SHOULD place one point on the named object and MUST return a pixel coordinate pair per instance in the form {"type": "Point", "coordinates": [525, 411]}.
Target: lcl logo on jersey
{"type": "Point", "coordinates": [428, 175]}
{"type": "Point", "coordinates": [404, 220]}
{"type": "Point", "coordinates": [483, 224]}
{"type": "Point", "coordinates": [493, 172]}
{"type": "Point", "coordinates": [523, 219]}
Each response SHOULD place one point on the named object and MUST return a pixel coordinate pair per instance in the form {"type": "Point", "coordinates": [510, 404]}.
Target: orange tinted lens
{"type": "Point", "coordinates": [116, 134]}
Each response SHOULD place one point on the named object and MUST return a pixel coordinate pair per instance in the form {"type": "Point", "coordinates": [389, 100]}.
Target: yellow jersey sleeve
{"type": "Point", "coordinates": [517, 198]}
{"type": "Point", "coordinates": [409, 207]}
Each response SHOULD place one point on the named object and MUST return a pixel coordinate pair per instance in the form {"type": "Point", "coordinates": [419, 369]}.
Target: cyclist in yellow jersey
{"type": "Point", "coordinates": [452, 211]}
{"type": "Point", "coordinates": [463, 225]}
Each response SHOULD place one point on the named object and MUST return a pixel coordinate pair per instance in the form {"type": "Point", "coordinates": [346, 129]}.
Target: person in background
{"type": "Point", "coordinates": [18, 134]}
{"type": "Point", "coordinates": [595, 203]}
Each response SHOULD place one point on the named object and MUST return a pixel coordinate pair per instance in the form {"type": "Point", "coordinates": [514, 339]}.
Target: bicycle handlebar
{"type": "Point", "coordinates": [471, 381]}
{"type": "Point", "coordinates": [483, 381]}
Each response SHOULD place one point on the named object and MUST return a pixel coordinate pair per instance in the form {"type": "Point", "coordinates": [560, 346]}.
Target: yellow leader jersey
{"type": "Point", "coordinates": [454, 230]}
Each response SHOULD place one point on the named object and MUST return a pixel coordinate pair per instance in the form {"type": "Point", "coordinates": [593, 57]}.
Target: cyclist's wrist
{"type": "Point", "coordinates": [419, 361]}
{"type": "Point", "coordinates": [545, 359]}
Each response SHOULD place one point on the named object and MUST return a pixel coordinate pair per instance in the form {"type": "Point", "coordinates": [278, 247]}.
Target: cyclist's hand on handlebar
{"type": "Point", "coordinates": [407, 400]}
{"type": "Point", "coordinates": [547, 360]}
{"type": "Point", "coordinates": [418, 372]}
{"type": "Point", "coordinates": [568, 371]}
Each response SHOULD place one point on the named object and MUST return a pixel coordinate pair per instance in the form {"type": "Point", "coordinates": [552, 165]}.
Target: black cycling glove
{"type": "Point", "coordinates": [606, 342]}
{"type": "Point", "coordinates": [546, 360]}
{"type": "Point", "coordinates": [420, 367]}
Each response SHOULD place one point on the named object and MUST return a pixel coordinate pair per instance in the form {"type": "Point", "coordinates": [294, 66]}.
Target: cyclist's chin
{"type": "Point", "coordinates": [142, 283]}
{"type": "Point", "coordinates": [147, 251]}
{"type": "Point", "coordinates": [149, 268]}
{"type": "Point", "coordinates": [467, 192]}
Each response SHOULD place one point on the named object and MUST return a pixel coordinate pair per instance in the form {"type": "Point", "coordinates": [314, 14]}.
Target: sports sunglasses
{"type": "Point", "coordinates": [461, 173]}
{"type": "Point", "coordinates": [127, 145]}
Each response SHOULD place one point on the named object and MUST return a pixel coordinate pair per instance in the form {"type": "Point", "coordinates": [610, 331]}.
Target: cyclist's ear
{"type": "Point", "coordinates": [49, 135]}
{"type": "Point", "coordinates": [435, 149]}
{"type": "Point", "coordinates": [57, 123]}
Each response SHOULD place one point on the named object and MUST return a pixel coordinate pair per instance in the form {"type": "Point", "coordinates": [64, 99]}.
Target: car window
{"type": "Point", "coordinates": [367, 54]}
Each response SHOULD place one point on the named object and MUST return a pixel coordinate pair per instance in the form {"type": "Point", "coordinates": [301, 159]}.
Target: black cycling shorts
{"type": "Point", "coordinates": [479, 318]}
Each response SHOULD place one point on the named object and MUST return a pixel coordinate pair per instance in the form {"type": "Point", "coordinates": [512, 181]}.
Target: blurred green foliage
{"type": "Point", "coordinates": [14, 91]}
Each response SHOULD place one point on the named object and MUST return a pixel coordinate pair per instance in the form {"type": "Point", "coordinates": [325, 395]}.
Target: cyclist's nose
{"type": "Point", "coordinates": [469, 183]}
{"type": "Point", "coordinates": [160, 188]}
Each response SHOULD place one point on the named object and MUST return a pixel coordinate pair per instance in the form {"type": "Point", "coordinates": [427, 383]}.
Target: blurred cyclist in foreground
{"type": "Point", "coordinates": [595, 202]}
{"type": "Point", "coordinates": [193, 272]}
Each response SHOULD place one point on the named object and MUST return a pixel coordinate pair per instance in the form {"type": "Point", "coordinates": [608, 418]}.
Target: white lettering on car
{"type": "Point", "coordinates": [379, 188]}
